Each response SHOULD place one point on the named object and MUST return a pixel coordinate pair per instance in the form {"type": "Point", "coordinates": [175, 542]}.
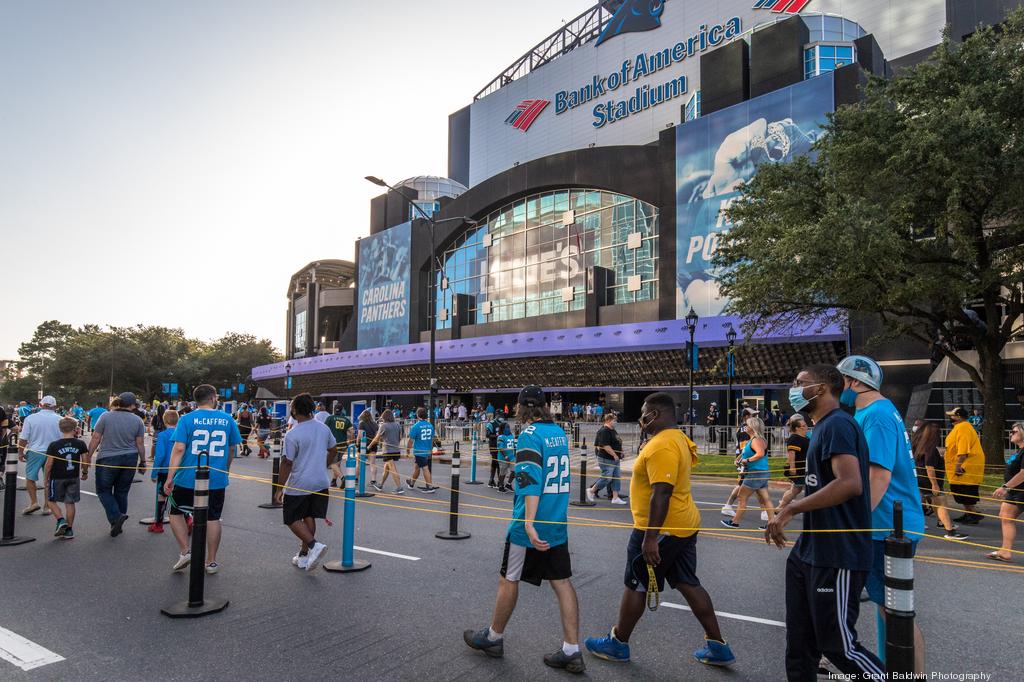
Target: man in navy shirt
{"type": "Point", "coordinates": [826, 571]}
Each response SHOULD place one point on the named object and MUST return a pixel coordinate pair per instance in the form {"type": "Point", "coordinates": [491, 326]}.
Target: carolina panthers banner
{"type": "Point", "coordinates": [715, 156]}
{"type": "Point", "coordinates": [384, 288]}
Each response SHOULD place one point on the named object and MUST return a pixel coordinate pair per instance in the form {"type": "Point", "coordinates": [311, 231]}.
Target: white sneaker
{"type": "Point", "coordinates": [728, 510]}
{"type": "Point", "coordinates": [46, 511]}
{"type": "Point", "coordinates": [590, 495]}
{"type": "Point", "coordinates": [316, 552]}
{"type": "Point", "coordinates": [212, 568]}
{"type": "Point", "coordinates": [299, 561]}
{"type": "Point", "coordinates": [764, 515]}
{"type": "Point", "coordinates": [619, 500]}
{"type": "Point", "coordinates": [183, 561]}
{"type": "Point", "coordinates": [295, 559]}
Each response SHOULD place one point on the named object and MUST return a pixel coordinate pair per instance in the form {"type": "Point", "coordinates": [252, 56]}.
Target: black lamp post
{"type": "Point", "coordinates": [288, 380]}
{"type": "Point", "coordinates": [691, 325]}
{"type": "Point", "coordinates": [730, 336]}
{"type": "Point", "coordinates": [431, 296]}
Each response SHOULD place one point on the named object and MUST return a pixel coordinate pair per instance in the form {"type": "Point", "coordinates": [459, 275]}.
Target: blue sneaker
{"type": "Point", "coordinates": [715, 653]}
{"type": "Point", "coordinates": [608, 648]}
{"type": "Point", "coordinates": [478, 640]}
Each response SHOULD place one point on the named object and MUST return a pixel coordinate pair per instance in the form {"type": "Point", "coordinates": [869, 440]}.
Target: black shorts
{"type": "Point", "coordinates": [964, 494]}
{"type": "Point", "coordinates": [533, 566]}
{"type": "Point", "coordinates": [678, 562]}
{"type": "Point", "coordinates": [298, 507]}
{"type": "Point", "coordinates": [1015, 496]}
{"type": "Point", "coordinates": [184, 499]}
{"type": "Point", "coordinates": [390, 458]}
{"type": "Point", "coordinates": [244, 432]}
{"type": "Point", "coordinates": [798, 481]}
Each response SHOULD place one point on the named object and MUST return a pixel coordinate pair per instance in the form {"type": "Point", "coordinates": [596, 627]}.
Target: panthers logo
{"type": "Point", "coordinates": [632, 16]}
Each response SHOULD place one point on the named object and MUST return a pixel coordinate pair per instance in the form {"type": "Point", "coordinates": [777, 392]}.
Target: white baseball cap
{"type": "Point", "coordinates": [49, 401]}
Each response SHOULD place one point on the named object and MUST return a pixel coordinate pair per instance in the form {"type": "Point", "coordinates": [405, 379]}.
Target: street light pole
{"type": "Point", "coordinates": [731, 369]}
{"type": "Point", "coordinates": [691, 325]}
{"type": "Point", "coordinates": [288, 381]}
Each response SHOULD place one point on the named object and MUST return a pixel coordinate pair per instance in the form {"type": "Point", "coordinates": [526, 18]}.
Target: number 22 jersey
{"type": "Point", "coordinates": [542, 469]}
{"type": "Point", "coordinates": [212, 431]}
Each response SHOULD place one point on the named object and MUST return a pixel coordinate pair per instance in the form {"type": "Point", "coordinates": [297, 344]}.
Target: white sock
{"type": "Point", "coordinates": [493, 636]}
{"type": "Point", "coordinates": [570, 649]}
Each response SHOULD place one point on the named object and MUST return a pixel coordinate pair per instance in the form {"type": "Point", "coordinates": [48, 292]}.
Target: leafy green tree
{"type": "Point", "coordinates": [912, 211]}
{"type": "Point", "coordinates": [39, 351]}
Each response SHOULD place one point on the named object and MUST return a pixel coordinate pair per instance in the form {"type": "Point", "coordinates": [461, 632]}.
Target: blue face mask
{"type": "Point", "coordinates": [797, 399]}
{"type": "Point", "coordinates": [848, 398]}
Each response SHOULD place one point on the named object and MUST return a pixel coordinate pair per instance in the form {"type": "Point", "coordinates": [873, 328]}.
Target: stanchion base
{"type": "Point", "coordinates": [270, 505]}
{"type": "Point", "coordinates": [472, 483]}
{"type": "Point", "coordinates": [358, 494]}
{"type": "Point", "coordinates": [338, 567]}
{"type": "Point", "coordinates": [21, 487]}
{"type": "Point", "coordinates": [446, 535]}
{"type": "Point", "coordinates": [577, 503]}
{"type": "Point", "coordinates": [16, 540]}
{"type": "Point", "coordinates": [183, 610]}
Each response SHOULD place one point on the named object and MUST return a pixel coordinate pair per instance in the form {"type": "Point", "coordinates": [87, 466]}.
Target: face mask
{"type": "Point", "coordinates": [914, 429]}
{"type": "Point", "coordinates": [644, 423]}
{"type": "Point", "coordinates": [797, 399]}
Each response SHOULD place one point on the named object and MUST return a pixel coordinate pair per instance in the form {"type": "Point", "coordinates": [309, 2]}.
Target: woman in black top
{"type": "Point", "coordinates": [796, 457]}
{"type": "Point", "coordinates": [931, 477]}
{"type": "Point", "coordinates": [1011, 492]}
{"type": "Point", "coordinates": [263, 424]}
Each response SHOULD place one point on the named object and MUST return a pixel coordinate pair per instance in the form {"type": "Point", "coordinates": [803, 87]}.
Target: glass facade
{"type": "Point", "coordinates": [530, 257]}
{"type": "Point", "coordinates": [821, 58]}
{"type": "Point", "coordinates": [299, 338]}
{"type": "Point", "coordinates": [827, 28]}
{"type": "Point", "coordinates": [692, 110]}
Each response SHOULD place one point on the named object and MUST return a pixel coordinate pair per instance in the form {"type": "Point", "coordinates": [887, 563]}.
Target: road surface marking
{"type": "Point", "coordinates": [391, 554]}
{"type": "Point", "coordinates": [734, 616]}
{"type": "Point", "coordinates": [24, 653]}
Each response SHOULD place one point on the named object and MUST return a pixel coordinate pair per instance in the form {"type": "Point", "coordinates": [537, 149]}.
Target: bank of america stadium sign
{"type": "Point", "coordinates": [525, 113]}
{"type": "Point", "coordinates": [782, 6]}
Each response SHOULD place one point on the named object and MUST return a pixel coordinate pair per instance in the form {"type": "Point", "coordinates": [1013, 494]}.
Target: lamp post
{"type": "Point", "coordinates": [431, 296]}
{"type": "Point", "coordinates": [730, 336]}
{"type": "Point", "coordinates": [691, 325]}
{"type": "Point", "coordinates": [288, 380]}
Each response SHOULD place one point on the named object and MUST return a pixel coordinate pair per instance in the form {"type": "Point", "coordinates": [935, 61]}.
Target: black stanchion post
{"type": "Point", "coordinates": [453, 532]}
{"type": "Point", "coordinates": [197, 605]}
{"type": "Point", "coordinates": [723, 435]}
{"type": "Point", "coordinates": [275, 476]}
{"type": "Point", "coordinates": [583, 501]}
{"type": "Point", "coordinates": [10, 495]}
{"type": "Point", "coordinates": [899, 598]}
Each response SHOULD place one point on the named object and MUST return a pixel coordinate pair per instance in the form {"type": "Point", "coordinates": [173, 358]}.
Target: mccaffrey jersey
{"type": "Point", "coordinates": [422, 434]}
{"type": "Point", "coordinates": [542, 470]}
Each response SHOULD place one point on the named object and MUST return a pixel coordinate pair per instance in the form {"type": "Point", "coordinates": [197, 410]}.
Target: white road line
{"type": "Point", "coordinates": [84, 492]}
{"type": "Point", "coordinates": [383, 553]}
{"type": "Point", "coordinates": [734, 616]}
{"type": "Point", "coordinates": [24, 653]}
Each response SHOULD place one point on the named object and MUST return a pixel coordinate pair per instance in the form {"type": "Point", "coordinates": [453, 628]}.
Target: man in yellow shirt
{"type": "Point", "coordinates": [965, 465]}
{"type": "Point", "coordinates": [664, 537]}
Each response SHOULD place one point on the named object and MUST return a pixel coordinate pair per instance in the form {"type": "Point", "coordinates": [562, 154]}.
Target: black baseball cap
{"type": "Point", "coordinates": [128, 399]}
{"type": "Point", "coordinates": [532, 396]}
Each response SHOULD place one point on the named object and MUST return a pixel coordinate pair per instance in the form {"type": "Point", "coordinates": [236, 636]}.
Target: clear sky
{"type": "Point", "coordinates": [174, 163]}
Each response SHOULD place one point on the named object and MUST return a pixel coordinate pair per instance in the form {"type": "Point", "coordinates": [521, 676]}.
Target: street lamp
{"type": "Point", "coordinates": [431, 296]}
{"type": "Point", "coordinates": [691, 325]}
{"type": "Point", "coordinates": [730, 336]}
{"type": "Point", "coordinates": [288, 380]}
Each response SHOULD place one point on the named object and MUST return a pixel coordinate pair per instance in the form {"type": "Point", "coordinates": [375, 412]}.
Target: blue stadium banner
{"type": "Point", "coordinates": [241, 388]}
{"type": "Point", "coordinates": [289, 383]}
{"type": "Point", "coordinates": [719, 153]}
{"type": "Point", "coordinates": [384, 282]}
{"type": "Point", "coordinates": [732, 365]}
{"type": "Point", "coordinates": [694, 357]}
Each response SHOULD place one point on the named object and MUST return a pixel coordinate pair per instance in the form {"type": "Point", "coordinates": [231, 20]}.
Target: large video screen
{"type": "Point", "coordinates": [384, 288]}
{"type": "Point", "coordinates": [715, 156]}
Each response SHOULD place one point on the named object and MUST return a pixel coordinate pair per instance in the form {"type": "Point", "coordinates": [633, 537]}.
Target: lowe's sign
{"type": "Point", "coordinates": [633, 71]}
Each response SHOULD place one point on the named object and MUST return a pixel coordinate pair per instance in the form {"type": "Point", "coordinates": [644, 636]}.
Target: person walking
{"type": "Point", "coordinates": [664, 537]}
{"type": "Point", "coordinates": [162, 447]}
{"type": "Point", "coordinates": [245, 424]}
{"type": "Point", "coordinates": [304, 491]}
{"type": "Point", "coordinates": [494, 428]}
{"type": "Point", "coordinates": [207, 435]}
{"type": "Point", "coordinates": [62, 473]}
{"type": "Point", "coordinates": [537, 552]}
{"type": "Point", "coordinates": [38, 430]}
{"type": "Point", "coordinates": [264, 423]}
{"type": "Point", "coordinates": [94, 415]}
{"type": "Point", "coordinates": [420, 446]}
{"type": "Point", "coordinates": [797, 445]}
{"type": "Point", "coordinates": [931, 477]}
{"type": "Point", "coordinates": [119, 439]}
{"type": "Point", "coordinates": [1011, 492]}
{"type": "Point", "coordinates": [965, 465]}
{"type": "Point", "coordinates": [390, 434]}
{"type": "Point", "coordinates": [341, 426]}
{"type": "Point", "coordinates": [367, 428]}
{"type": "Point", "coordinates": [608, 445]}
{"type": "Point", "coordinates": [754, 461]}
{"type": "Point", "coordinates": [824, 577]}
{"type": "Point", "coordinates": [506, 459]}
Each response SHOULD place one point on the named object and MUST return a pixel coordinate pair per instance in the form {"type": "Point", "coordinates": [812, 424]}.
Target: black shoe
{"type": "Point", "coordinates": [491, 484]}
{"type": "Point", "coordinates": [115, 527]}
{"type": "Point", "coordinates": [961, 519]}
{"type": "Point", "coordinates": [573, 664]}
{"type": "Point", "coordinates": [478, 640]}
{"type": "Point", "coordinates": [973, 519]}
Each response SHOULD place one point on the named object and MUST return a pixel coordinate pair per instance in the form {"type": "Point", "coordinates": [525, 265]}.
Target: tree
{"type": "Point", "coordinates": [912, 211]}
{"type": "Point", "coordinates": [39, 351]}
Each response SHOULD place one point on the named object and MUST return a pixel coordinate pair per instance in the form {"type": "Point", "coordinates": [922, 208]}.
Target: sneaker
{"type": "Point", "coordinates": [429, 489]}
{"type": "Point", "coordinates": [573, 663]}
{"type": "Point", "coordinates": [590, 495]}
{"type": "Point", "coordinates": [960, 519]}
{"type": "Point", "coordinates": [728, 510]}
{"type": "Point", "coordinates": [972, 520]}
{"type": "Point", "coordinates": [117, 526]}
{"type": "Point", "coordinates": [378, 488]}
{"type": "Point", "coordinates": [715, 653]}
{"type": "Point", "coordinates": [69, 534]}
{"type": "Point", "coordinates": [295, 559]}
{"type": "Point", "coordinates": [46, 511]}
{"type": "Point", "coordinates": [508, 490]}
{"type": "Point", "coordinates": [316, 553]}
{"type": "Point", "coordinates": [492, 484]}
{"type": "Point", "coordinates": [212, 568]}
{"type": "Point", "coordinates": [730, 524]}
{"type": "Point", "coordinates": [410, 484]}
{"type": "Point", "coordinates": [478, 640]}
{"type": "Point", "coordinates": [939, 526]}
{"type": "Point", "coordinates": [954, 535]}
{"type": "Point", "coordinates": [399, 491]}
{"type": "Point", "coordinates": [61, 526]}
{"type": "Point", "coordinates": [156, 528]}
{"type": "Point", "coordinates": [763, 526]}
{"type": "Point", "coordinates": [764, 515]}
{"type": "Point", "coordinates": [183, 561]}
{"type": "Point", "coordinates": [608, 648]}
{"type": "Point", "coordinates": [618, 500]}
{"type": "Point", "coordinates": [31, 509]}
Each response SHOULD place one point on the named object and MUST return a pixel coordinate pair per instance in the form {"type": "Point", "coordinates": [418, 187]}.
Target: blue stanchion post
{"type": "Point", "coordinates": [472, 464]}
{"type": "Point", "coordinates": [348, 563]}
{"type": "Point", "coordinates": [362, 467]}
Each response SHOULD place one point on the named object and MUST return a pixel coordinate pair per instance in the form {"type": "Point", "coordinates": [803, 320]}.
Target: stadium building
{"type": "Point", "coordinates": [584, 203]}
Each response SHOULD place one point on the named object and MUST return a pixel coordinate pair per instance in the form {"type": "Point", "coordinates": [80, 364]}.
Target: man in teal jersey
{"type": "Point", "coordinates": [892, 475]}
{"type": "Point", "coordinates": [537, 540]}
{"type": "Point", "coordinates": [95, 414]}
{"type": "Point", "coordinates": [421, 446]}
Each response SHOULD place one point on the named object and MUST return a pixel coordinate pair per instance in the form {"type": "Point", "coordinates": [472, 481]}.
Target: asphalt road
{"type": "Point", "coordinates": [95, 601]}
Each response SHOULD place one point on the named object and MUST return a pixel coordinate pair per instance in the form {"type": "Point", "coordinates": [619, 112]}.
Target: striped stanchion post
{"type": "Point", "coordinates": [453, 532]}
{"type": "Point", "coordinates": [361, 492]}
{"type": "Point", "coordinates": [348, 563]}
{"type": "Point", "coordinates": [197, 604]}
{"type": "Point", "coordinates": [147, 520]}
{"type": "Point", "coordinates": [583, 501]}
{"type": "Point", "coordinates": [10, 495]}
{"type": "Point", "coordinates": [472, 463]}
{"type": "Point", "coordinates": [899, 599]}
{"type": "Point", "coordinates": [275, 472]}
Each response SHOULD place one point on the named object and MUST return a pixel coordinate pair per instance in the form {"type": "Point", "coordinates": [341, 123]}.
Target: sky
{"type": "Point", "coordinates": [174, 163]}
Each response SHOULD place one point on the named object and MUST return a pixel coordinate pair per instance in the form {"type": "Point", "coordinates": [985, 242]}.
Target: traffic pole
{"type": "Point", "coordinates": [472, 463]}
{"type": "Point", "coordinates": [197, 605]}
{"type": "Point", "coordinates": [362, 467]}
{"type": "Point", "coordinates": [348, 563]}
{"type": "Point", "coordinates": [10, 495]}
{"type": "Point", "coordinates": [275, 475]}
{"type": "Point", "coordinates": [899, 598]}
{"type": "Point", "coordinates": [453, 532]}
{"type": "Point", "coordinates": [583, 501]}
